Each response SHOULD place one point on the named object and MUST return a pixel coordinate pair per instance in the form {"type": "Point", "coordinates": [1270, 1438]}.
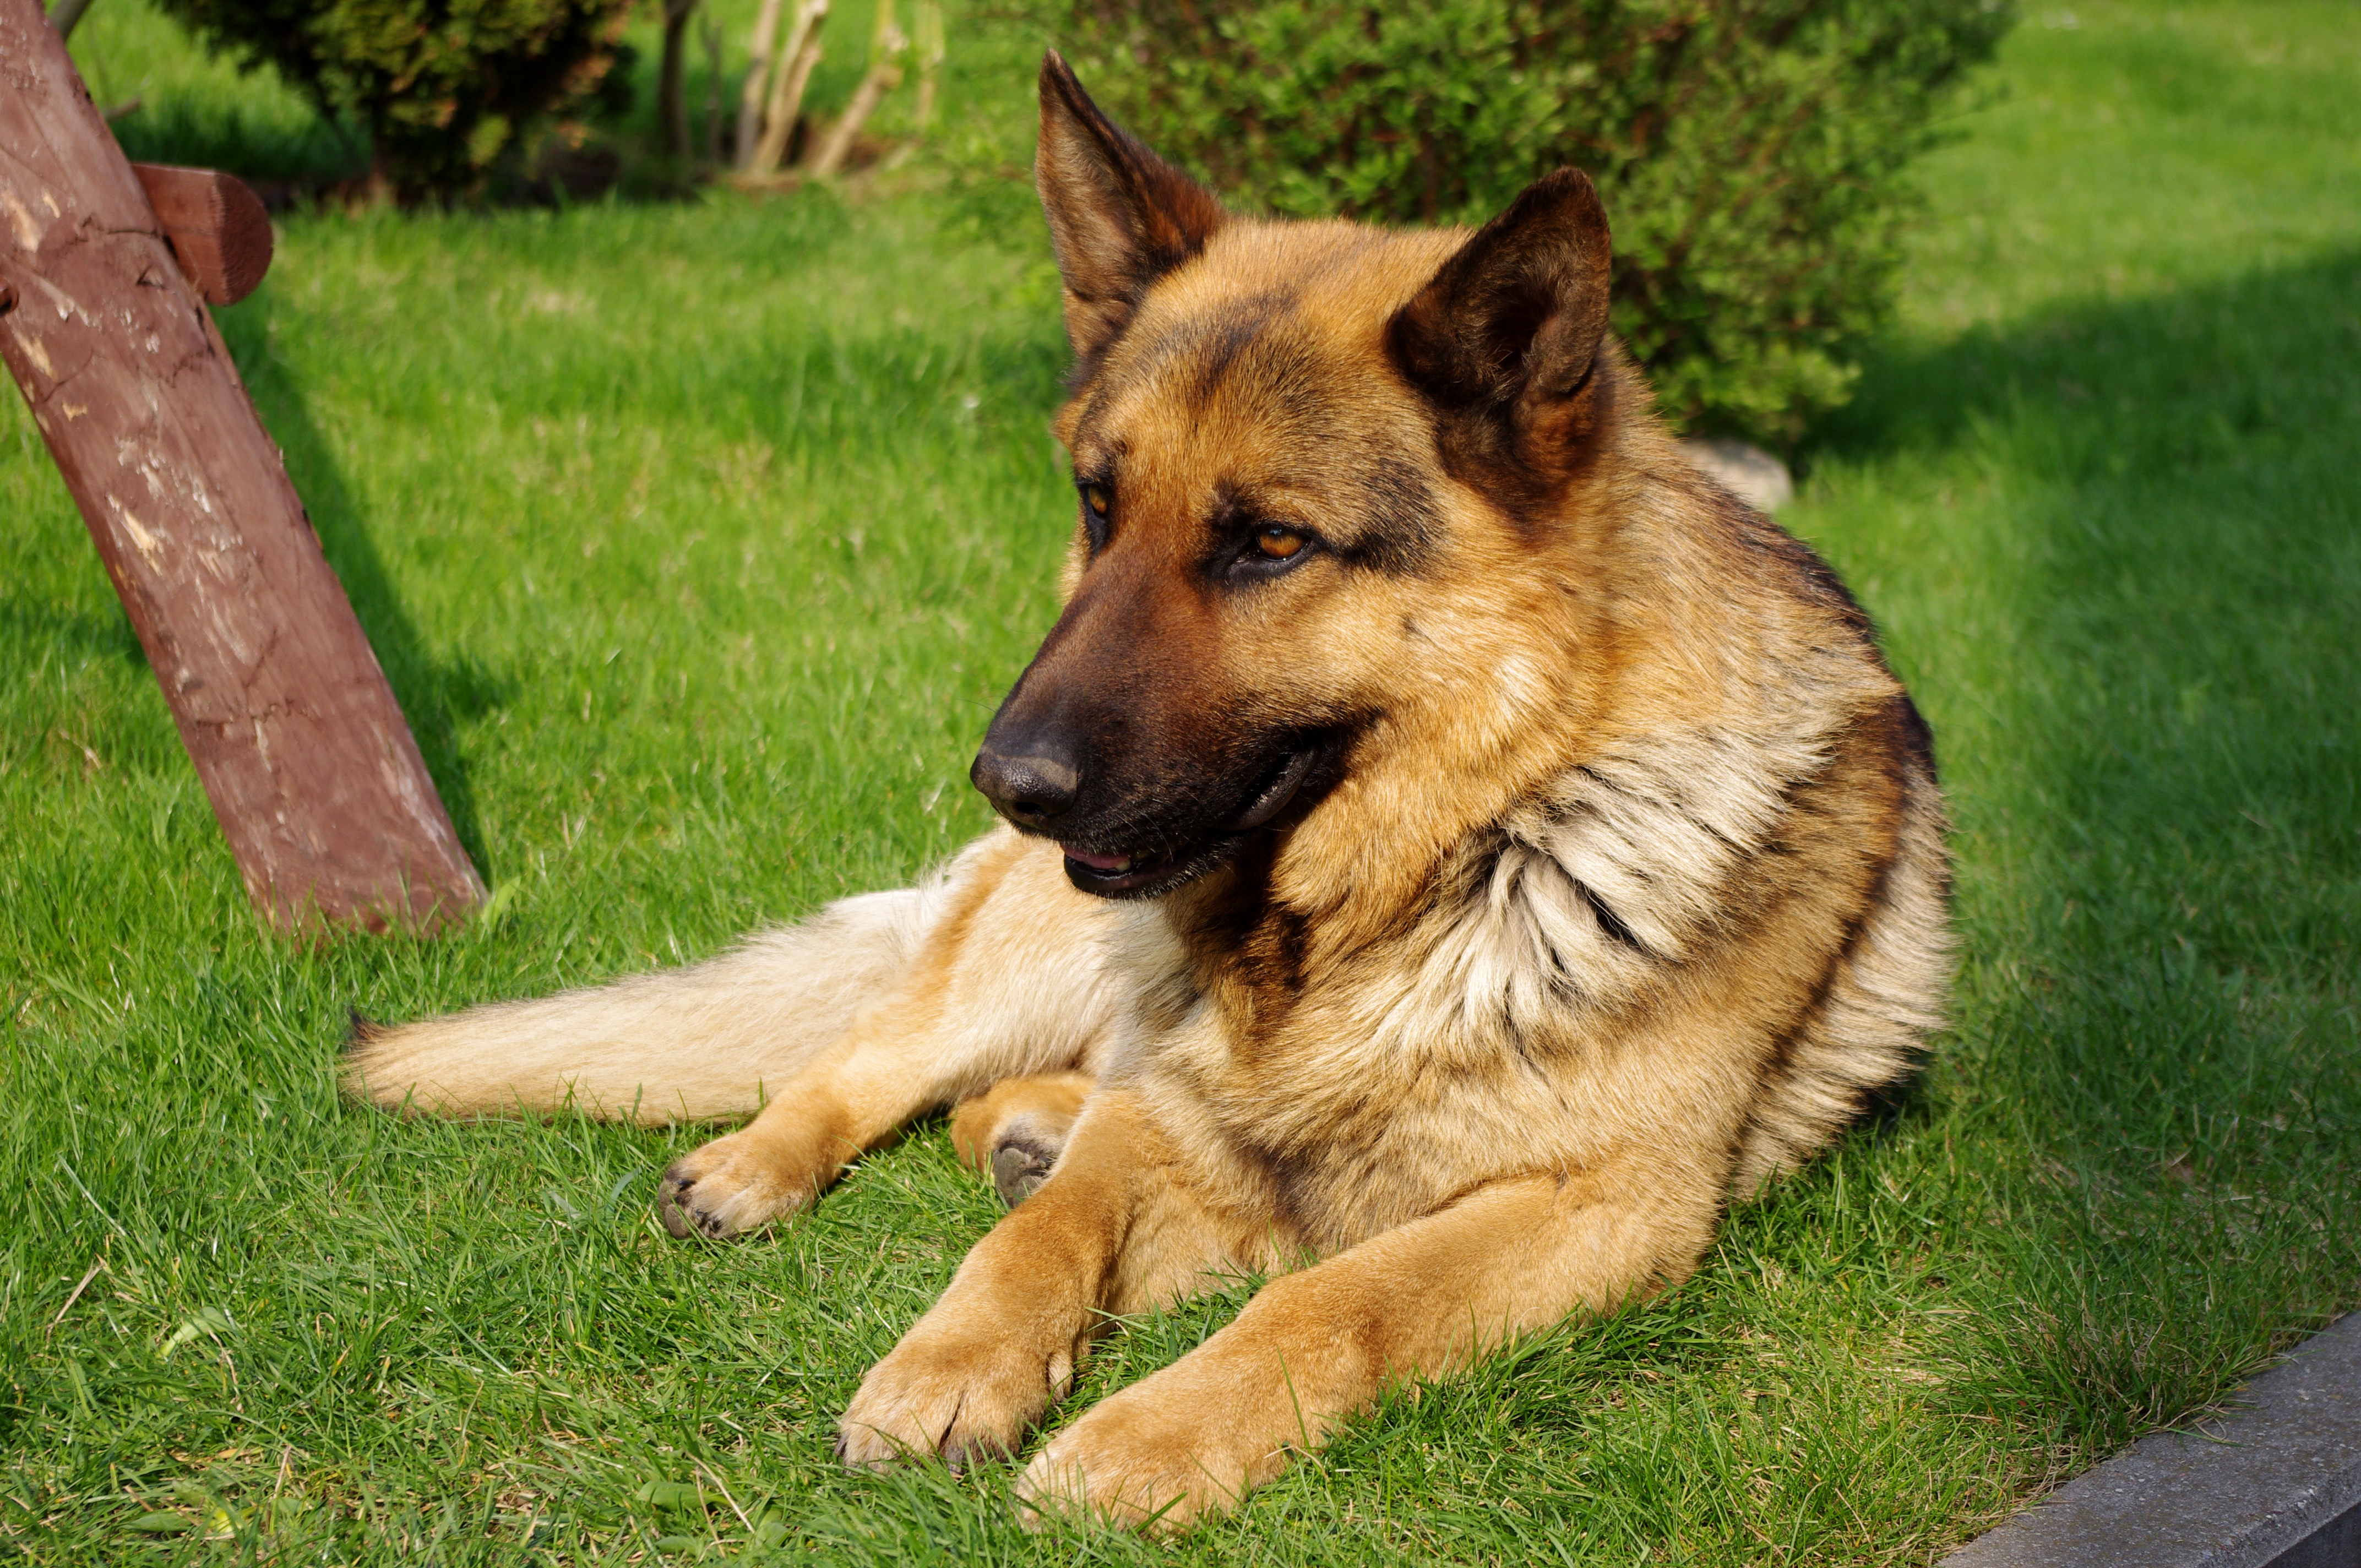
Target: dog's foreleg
{"type": "Point", "coordinates": [1109, 1232]}
{"type": "Point", "coordinates": [1012, 981]}
{"type": "Point", "coordinates": [1314, 1347]}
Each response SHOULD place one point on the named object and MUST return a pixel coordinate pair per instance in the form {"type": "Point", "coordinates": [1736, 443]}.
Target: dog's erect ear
{"type": "Point", "coordinates": [1119, 216]}
{"type": "Point", "coordinates": [1505, 338]}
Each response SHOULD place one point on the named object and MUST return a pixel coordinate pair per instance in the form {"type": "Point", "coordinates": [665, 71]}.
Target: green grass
{"type": "Point", "coordinates": [698, 541]}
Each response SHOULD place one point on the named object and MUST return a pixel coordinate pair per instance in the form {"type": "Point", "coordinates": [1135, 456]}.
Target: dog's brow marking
{"type": "Point", "coordinates": [1400, 507]}
{"type": "Point", "coordinates": [1222, 339]}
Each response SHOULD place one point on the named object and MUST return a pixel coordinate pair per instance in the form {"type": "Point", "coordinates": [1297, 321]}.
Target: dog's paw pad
{"type": "Point", "coordinates": [1018, 1170]}
{"type": "Point", "coordinates": [969, 1398]}
{"type": "Point", "coordinates": [723, 1190]}
{"type": "Point", "coordinates": [677, 1208]}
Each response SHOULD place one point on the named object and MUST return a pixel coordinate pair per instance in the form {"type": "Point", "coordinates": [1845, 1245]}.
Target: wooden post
{"type": "Point", "coordinates": [302, 750]}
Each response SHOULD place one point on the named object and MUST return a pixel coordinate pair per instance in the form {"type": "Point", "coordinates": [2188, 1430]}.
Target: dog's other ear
{"type": "Point", "coordinates": [1119, 216]}
{"type": "Point", "coordinates": [1504, 339]}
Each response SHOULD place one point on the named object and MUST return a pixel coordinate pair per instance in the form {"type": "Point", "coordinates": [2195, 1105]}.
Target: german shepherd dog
{"type": "Point", "coordinates": [1453, 848]}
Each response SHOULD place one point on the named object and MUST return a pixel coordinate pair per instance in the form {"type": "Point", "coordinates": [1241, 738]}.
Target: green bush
{"type": "Point", "coordinates": [445, 86]}
{"type": "Point", "coordinates": [1749, 151]}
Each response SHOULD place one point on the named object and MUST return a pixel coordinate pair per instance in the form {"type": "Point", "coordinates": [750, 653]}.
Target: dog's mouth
{"type": "Point", "coordinates": [1146, 872]}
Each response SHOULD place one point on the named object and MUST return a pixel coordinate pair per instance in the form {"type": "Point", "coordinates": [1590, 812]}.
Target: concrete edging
{"type": "Point", "coordinates": [2274, 1480]}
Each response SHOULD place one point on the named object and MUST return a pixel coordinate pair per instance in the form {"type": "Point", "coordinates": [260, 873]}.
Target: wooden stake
{"type": "Point", "coordinates": [311, 770]}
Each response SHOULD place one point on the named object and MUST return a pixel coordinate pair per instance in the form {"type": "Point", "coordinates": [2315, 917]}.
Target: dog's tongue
{"type": "Point", "coordinates": [1097, 862]}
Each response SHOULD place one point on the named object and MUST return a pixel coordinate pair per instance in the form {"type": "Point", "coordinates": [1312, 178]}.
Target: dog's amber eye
{"type": "Point", "coordinates": [1279, 543]}
{"type": "Point", "coordinates": [1098, 498]}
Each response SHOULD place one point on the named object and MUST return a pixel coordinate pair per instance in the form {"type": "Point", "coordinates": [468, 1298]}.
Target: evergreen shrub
{"type": "Point", "coordinates": [1750, 152]}
{"type": "Point", "coordinates": [443, 87]}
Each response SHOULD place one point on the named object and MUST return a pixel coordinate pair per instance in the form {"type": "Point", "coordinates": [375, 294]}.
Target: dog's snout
{"type": "Point", "coordinates": [1034, 787]}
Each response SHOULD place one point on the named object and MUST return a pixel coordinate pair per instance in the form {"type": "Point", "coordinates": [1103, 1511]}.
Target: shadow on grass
{"type": "Point", "coordinates": [326, 160]}
{"type": "Point", "coordinates": [108, 635]}
{"type": "Point", "coordinates": [2159, 791]}
{"type": "Point", "coordinates": [433, 693]}
{"type": "Point", "coordinates": [207, 134]}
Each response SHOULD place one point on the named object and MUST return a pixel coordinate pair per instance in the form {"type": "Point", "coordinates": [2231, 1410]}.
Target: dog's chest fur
{"type": "Point", "coordinates": [1493, 1031]}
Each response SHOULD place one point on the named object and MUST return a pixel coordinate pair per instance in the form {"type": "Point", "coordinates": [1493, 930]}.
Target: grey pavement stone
{"type": "Point", "coordinates": [1751, 474]}
{"type": "Point", "coordinates": [2277, 1480]}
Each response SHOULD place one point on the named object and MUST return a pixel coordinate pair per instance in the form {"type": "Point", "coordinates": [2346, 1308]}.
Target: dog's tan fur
{"type": "Point", "coordinates": [1623, 891]}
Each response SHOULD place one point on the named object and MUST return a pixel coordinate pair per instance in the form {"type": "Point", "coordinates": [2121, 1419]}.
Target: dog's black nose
{"type": "Point", "coordinates": [1035, 788]}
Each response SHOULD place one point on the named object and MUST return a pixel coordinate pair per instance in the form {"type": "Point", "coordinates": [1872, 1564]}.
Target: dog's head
{"type": "Point", "coordinates": [1285, 437]}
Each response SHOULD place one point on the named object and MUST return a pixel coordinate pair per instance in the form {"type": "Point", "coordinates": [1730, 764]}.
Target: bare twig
{"type": "Point", "coordinates": [86, 1278]}
{"type": "Point", "coordinates": [758, 84]}
{"type": "Point", "coordinates": [886, 47]}
{"type": "Point", "coordinates": [800, 55]}
{"type": "Point", "coordinates": [719, 1485]}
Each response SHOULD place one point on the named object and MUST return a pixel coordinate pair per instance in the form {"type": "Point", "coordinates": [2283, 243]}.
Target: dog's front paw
{"type": "Point", "coordinates": [1148, 1462]}
{"type": "Point", "coordinates": [966, 1397]}
{"type": "Point", "coordinates": [734, 1185]}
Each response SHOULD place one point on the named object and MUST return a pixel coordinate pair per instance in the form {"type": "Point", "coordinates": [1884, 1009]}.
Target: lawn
{"type": "Point", "coordinates": [698, 540]}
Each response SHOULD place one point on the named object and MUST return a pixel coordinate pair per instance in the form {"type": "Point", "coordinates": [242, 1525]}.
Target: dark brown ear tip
{"type": "Point", "coordinates": [1058, 77]}
{"type": "Point", "coordinates": [1061, 90]}
{"type": "Point", "coordinates": [364, 1030]}
{"type": "Point", "coordinates": [1567, 186]}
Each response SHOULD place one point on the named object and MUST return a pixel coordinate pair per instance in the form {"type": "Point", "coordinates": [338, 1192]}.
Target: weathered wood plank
{"type": "Point", "coordinates": [218, 229]}
{"type": "Point", "coordinates": [310, 768]}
